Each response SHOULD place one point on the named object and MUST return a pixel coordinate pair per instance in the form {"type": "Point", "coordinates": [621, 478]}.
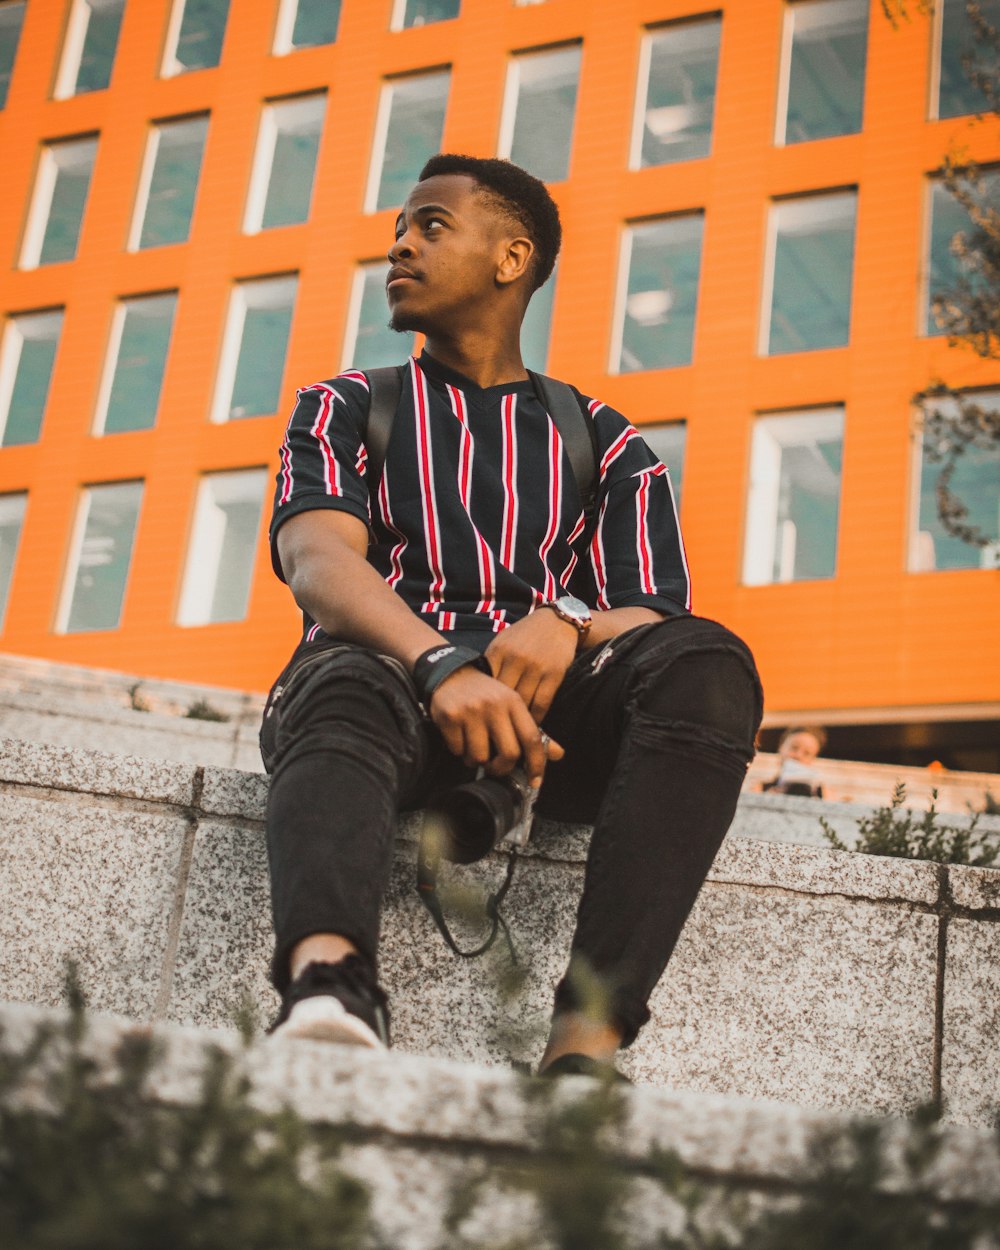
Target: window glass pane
{"type": "Point", "coordinates": [101, 564]}
{"type": "Point", "coordinates": [957, 95]}
{"type": "Point", "coordinates": [11, 519]}
{"type": "Point", "coordinates": [536, 328]}
{"type": "Point", "coordinates": [173, 182]}
{"type": "Point", "coordinates": [541, 106]}
{"type": "Point", "coordinates": [667, 442]}
{"type": "Point", "coordinates": [89, 49]}
{"type": "Point", "coordinates": [223, 547]}
{"type": "Point", "coordinates": [286, 162]}
{"type": "Point", "coordinates": [813, 257]}
{"type": "Point", "coordinates": [948, 218]}
{"type": "Point", "coordinates": [59, 200]}
{"type": "Point", "coordinates": [824, 69]}
{"type": "Point", "coordinates": [678, 97]}
{"type": "Point", "coordinates": [794, 501]}
{"type": "Point", "coordinates": [976, 482]}
{"type": "Point", "coordinates": [29, 350]}
{"type": "Point", "coordinates": [137, 361]}
{"type": "Point", "coordinates": [311, 22]}
{"type": "Point", "coordinates": [260, 320]}
{"type": "Point", "coordinates": [370, 343]}
{"type": "Point", "coordinates": [199, 35]}
{"type": "Point", "coordinates": [422, 12]}
{"type": "Point", "coordinates": [11, 19]}
{"type": "Point", "coordinates": [663, 260]}
{"type": "Point", "coordinates": [414, 123]}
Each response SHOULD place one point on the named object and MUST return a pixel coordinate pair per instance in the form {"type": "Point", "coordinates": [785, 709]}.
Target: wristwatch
{"type": "Point", "coordinates": [575, 611]}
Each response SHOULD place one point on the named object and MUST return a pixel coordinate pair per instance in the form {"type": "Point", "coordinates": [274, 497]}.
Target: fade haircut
{"type": "Point", "coordinates": [516, 194]}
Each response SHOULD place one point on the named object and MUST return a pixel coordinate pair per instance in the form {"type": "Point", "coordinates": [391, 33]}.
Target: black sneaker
{"type": "Point", "coordinates": [339, 1002]}
{"type": "Point", "coordinates": [583, 1065]}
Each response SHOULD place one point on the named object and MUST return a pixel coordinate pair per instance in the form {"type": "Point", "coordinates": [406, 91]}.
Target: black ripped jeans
{"type": "Point", "coordinates": [658, 728]}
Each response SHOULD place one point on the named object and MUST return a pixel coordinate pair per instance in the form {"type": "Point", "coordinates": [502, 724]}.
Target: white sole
{"type": "Point", "coordinates": [324, 1018]}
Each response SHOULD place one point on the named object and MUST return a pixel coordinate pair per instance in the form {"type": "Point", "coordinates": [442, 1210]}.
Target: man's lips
{"type": "Point", "coordinates": [397, 274]}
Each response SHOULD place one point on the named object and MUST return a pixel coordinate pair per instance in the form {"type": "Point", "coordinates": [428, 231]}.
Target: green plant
{"type": "Point", "coordinates": [894, 830]}
{"type": "Point", "coordinates": [91, 1160]}
{"type": "Point", "coordinates": [201, 709]}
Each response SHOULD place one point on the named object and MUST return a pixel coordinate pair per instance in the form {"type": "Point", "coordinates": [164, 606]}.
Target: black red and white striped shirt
{"type": "Point", "coordinates": [477, 518]}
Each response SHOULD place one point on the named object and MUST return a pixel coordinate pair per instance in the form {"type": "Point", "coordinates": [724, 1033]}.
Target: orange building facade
{"type": "Point", "coordinates": [853, 619]}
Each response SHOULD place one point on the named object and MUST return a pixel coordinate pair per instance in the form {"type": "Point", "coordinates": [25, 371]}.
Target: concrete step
{"type": "Point", "coordinates": [418, 1129]}
{"type": "Point", "coordinates": [829, 979]}
{"type": "Point", "coordinates": [71, 706]}
{"type": "Point", "coordinates": [852, 781]}
{"type": "Point", "coordinates": [68, 706]}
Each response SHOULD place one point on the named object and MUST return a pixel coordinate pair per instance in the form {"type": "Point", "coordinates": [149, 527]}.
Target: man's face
{"type": "Point", "coordinates": [801, 746]}
{"type": "Point", "coordinates": [444, 262]}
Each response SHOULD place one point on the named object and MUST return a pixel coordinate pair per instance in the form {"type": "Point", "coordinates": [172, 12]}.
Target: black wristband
{"type": "Point", "coordinates": [437, 663]}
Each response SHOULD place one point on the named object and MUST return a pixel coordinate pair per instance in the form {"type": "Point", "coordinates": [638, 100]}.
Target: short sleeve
{"type": "Point", "coordinates": [637, 552]}
{"type": "Point", "coordinates": [323, 456]}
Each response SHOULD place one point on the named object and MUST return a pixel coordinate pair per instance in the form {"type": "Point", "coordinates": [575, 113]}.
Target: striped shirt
{"type": "Point", "coordinates": [477, 519]}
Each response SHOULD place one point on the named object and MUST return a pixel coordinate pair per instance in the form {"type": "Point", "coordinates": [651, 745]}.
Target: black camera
{"type": "Point", "coordinates": [468, 821]}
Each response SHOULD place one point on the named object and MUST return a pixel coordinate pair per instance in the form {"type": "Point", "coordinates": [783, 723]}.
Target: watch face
{"type": "Point", "coordinates": [573, 607]}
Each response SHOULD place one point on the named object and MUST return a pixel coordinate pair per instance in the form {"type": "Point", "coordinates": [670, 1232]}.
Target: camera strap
{"type": "Point", "coordinates": [428, 863]}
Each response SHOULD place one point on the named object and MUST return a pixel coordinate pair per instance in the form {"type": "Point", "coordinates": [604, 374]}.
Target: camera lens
{"type": "Point", "coordinates": [475, 817]}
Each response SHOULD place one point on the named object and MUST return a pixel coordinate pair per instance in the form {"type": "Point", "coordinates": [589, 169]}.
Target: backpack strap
{"type": "Point", "coordinates": [572, 419]}
{"type": "Point", "coordinates": [385, 388]}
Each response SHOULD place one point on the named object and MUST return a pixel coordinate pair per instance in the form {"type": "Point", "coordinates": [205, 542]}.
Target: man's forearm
{"type": "Point", "coordinates": [350, 600]}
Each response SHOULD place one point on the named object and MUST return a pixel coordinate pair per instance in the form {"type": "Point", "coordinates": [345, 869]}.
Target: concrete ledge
{"type": "Point", "coordinates": [418, 1127]}
{"type": "Point", "coordinates": [828, 978]}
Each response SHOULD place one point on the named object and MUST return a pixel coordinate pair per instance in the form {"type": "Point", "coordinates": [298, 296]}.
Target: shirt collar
{"type": "Point", "coordinates": [438, 372]}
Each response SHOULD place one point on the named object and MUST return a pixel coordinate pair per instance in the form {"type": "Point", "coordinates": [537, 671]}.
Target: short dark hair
{"type": "Point", "coordinates": [517, 194]}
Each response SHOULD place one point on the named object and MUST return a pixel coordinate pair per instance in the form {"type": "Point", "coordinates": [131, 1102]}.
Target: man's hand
{"type": "Point", "coordinates": [532, 657]}
{"type": "Point", "coordinates": [486, 723]}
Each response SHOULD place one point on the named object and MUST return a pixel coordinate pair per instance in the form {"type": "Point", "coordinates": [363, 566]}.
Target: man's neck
{"type": "Point", "coordinates": [486, 363]}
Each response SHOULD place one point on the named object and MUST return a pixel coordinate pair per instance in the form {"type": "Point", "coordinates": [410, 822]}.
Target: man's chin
{"type": "Point", "coordinates": [403, 322]}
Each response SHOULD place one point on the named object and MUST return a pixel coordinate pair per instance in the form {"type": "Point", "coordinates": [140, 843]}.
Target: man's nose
{"type": "Point", "coordinates": [401, 249]}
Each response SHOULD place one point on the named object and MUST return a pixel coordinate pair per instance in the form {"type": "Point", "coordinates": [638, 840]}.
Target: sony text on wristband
{"type": "Point", "coordinates": [440, 662]}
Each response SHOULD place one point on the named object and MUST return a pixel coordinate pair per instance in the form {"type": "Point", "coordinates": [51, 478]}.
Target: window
{"type": "Point", "coordinates": [976, 482]}
{"type": "Point", "coordinates": [306, 24]}
{"type": "Point", "coordinates": [29, 350]}
{"type": "Point", "coordinates": [822, 90]}
{"type": "Point", "coordinates": [11, 20]}
{"type": "Point", "coordinates": [168, 183]}
{"type": "Point", "coordinates": [11, 519]}
{"type": "Point", "coordinates": [407, 13]}
{"type": "Point", "coordinates": [536, 130]}
{"type": "Point", "coordinates": [223, 547]}
{"type": "Point", "coordinates": [282, 180]}
{"type": "Point", "coordinates": [137, 357]}
{"type": "Point", "coordinates": [407, 134]}
{"type": "Point", "coordinates": [948, 218]}
{"type": "Point", "coordinates": [253, 349]}
{"type": "Point", "coordinates": [536, 327]}
{"type": "Point", "coordinates": [807, 292]}
{"type": "Point", "coordinates": [667, 442]}
{"type": "Point", "coordinates": [659, 276]}
{"type": "Point", "coordinates": [100, 556]}
{"type": "Point", "coordinates": [795, 462]}
{"type": "Point", "coordinates": [954, 93]}
{"type": "Point", "coordinates": [370, 343]}
{"type": "Point", "coordinates": [194, 37]}
{"type": "Point", "coordinates": [57, 204]}
{"type": "Point", "coordinates": [678, 65]}
{"type": "Point", "coordinates": [89, 47]}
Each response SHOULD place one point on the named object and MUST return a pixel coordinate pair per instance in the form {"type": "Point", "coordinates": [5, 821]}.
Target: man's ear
{"type": "Point", "coordinates": [515, 260]}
